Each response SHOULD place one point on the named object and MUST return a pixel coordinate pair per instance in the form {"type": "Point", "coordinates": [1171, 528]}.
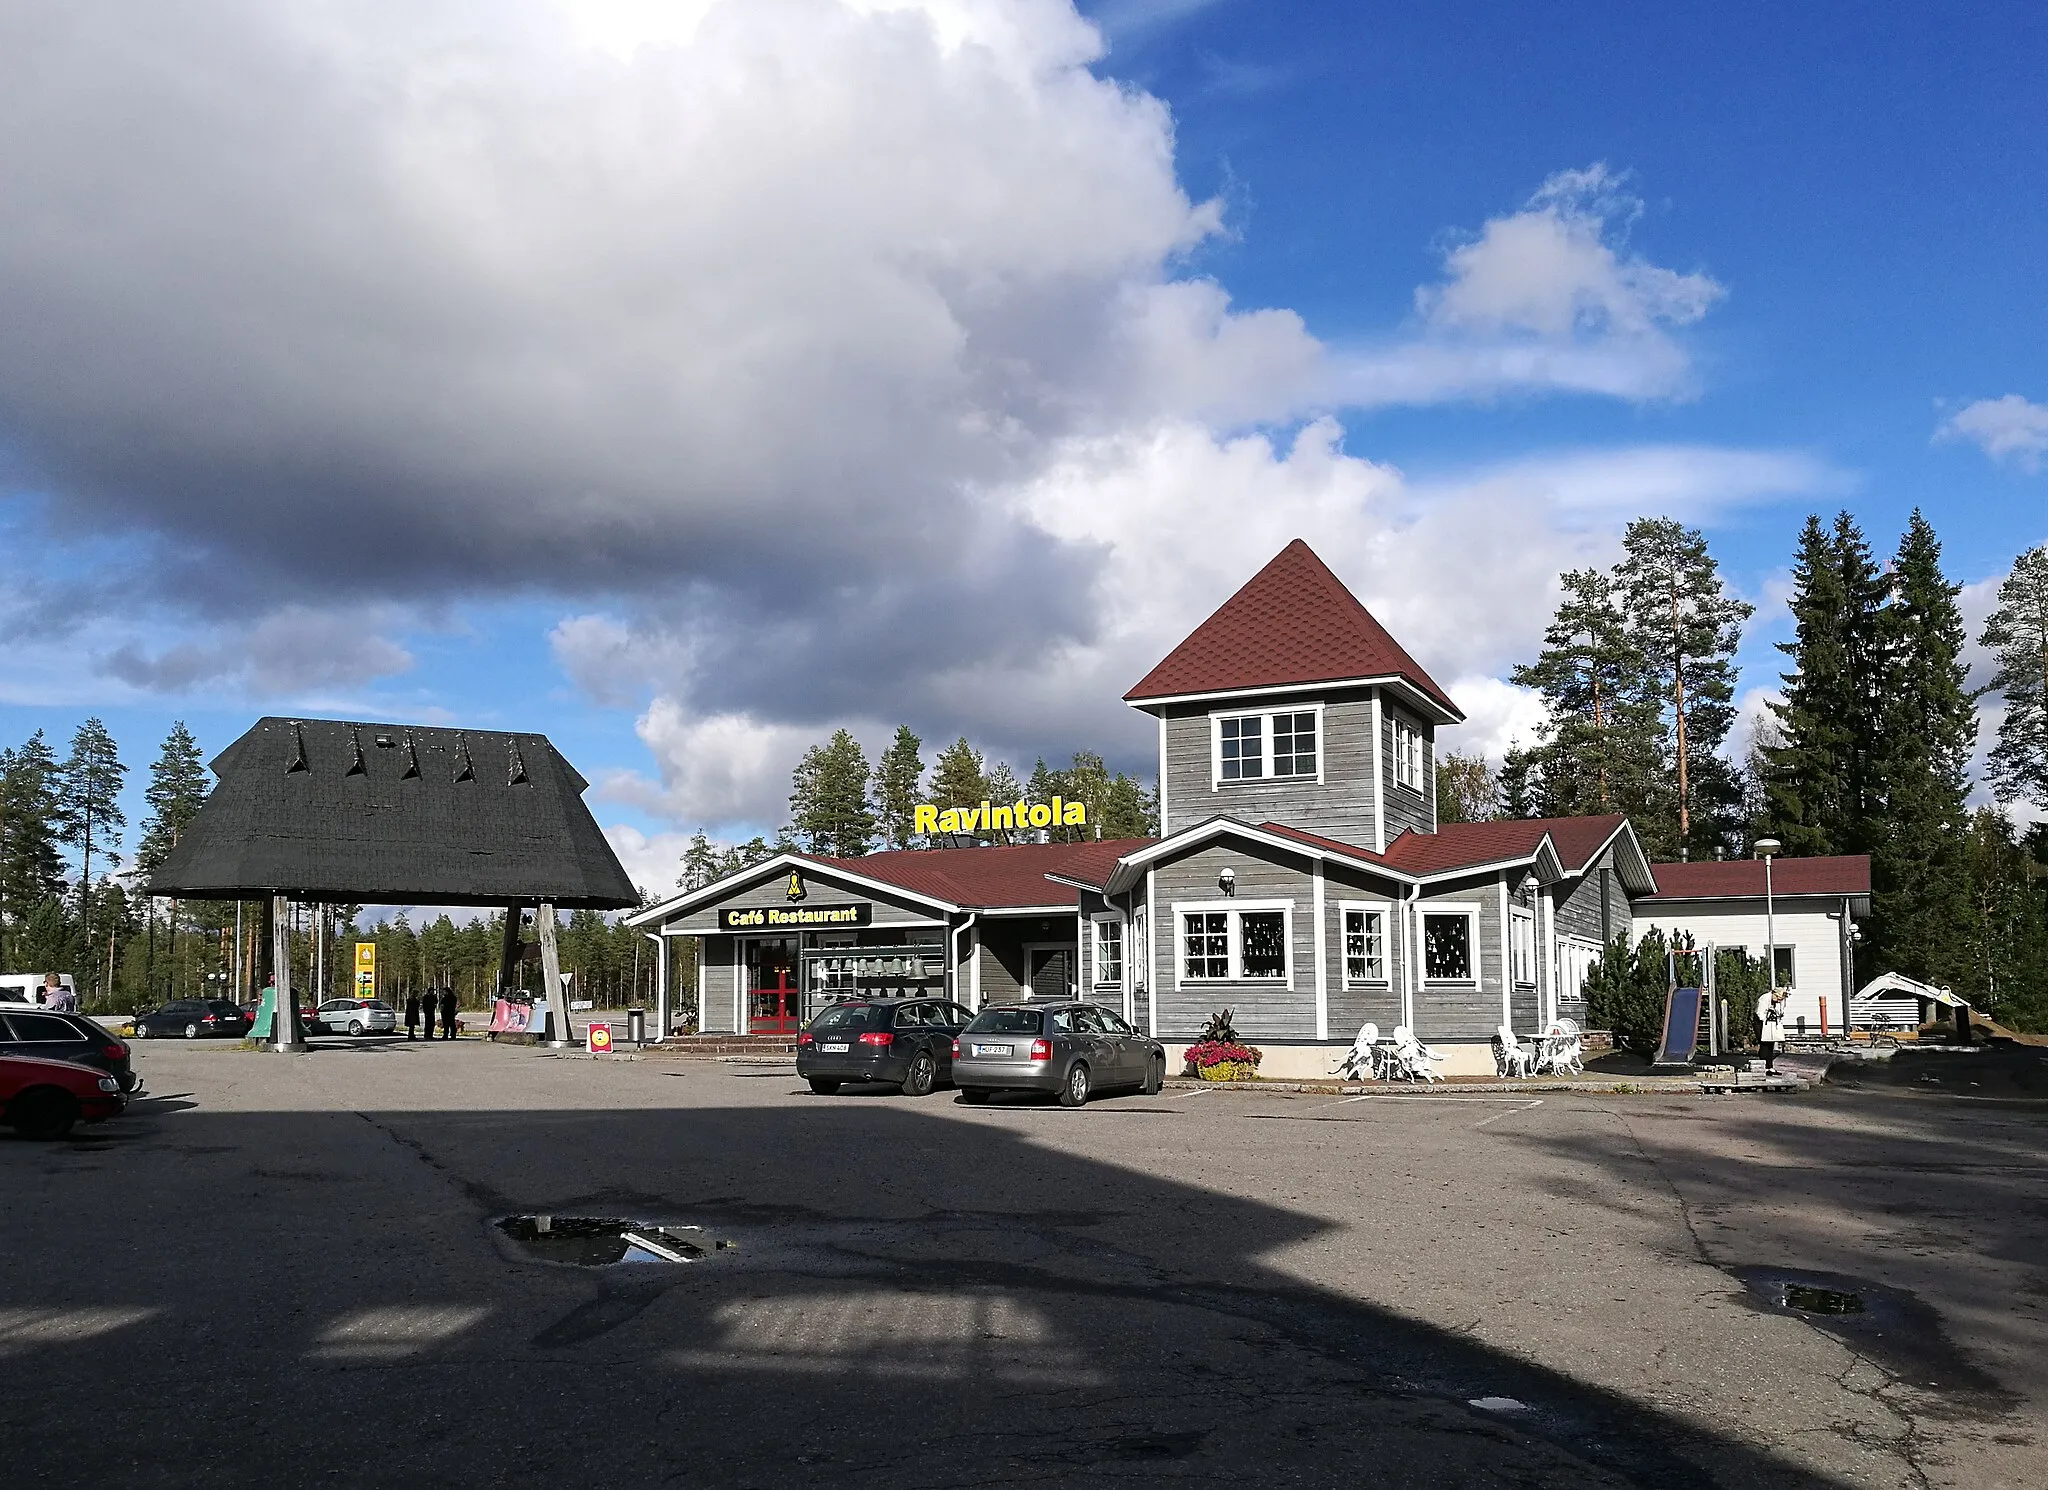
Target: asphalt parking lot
{"type": "Point", "coordinates": [283, 1271]}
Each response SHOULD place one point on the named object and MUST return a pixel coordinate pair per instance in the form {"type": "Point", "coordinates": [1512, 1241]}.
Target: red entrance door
{"type": "Point", "coordinates": [777, 1010]}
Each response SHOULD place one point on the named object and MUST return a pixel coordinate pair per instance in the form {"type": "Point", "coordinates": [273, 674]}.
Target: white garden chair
{"type": "Point", "coordinates": [1363, 1059]}
{"type": "Point", "coordinates": [1562, 1053]}
{"type": "Point", "coordinates": [1510, 1056]}
{"type": "Point", "coordinates": [1411, 1058]}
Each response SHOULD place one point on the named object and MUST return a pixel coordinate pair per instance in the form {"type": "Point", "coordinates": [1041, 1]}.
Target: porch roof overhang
{"type": "Point", "coordinates": [694, 900]}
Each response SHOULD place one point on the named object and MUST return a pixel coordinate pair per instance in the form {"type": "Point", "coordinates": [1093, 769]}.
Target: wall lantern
{"type": "Point", "coordinates": [1227, 880]}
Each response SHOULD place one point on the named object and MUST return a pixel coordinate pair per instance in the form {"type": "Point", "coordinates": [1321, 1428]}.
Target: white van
{"type": "Point", "coordinates": [27, 988]}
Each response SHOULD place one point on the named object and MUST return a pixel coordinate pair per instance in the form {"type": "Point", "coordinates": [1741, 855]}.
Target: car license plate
{"type": "Point", "coordinates": [836, 1047]}
{"type": "Point", "coordinates": [994, 1049]}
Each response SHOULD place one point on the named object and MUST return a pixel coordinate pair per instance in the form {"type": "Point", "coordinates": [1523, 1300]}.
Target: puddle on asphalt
{"type": "Point", "coordinates": [606, 1241]}
{"type": "Point", "coordinates": [1810, 1300]}
{"type": "Point", "coordinates": [1891, 1326]}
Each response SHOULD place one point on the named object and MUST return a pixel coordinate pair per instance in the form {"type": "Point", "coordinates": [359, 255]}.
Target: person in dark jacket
{"type": "Point", "coordinates": [412, 1016]}
{"type": "Point", "coordinates": [427, 1013]}
{"type": "Point", "coordinates": [447, 1012]}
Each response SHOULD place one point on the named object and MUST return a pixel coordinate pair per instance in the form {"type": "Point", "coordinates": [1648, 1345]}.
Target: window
{"type": "Point", "coordinates": [1241, 760]}
{"type": "Point", "coordinates": [1522, 946]}
{"type": "Point", "coordinates": [1447, 946]}
{"type": "Point", "coordinates": [1365, 943]}
{"type": "Point", "coordinates": [1260, 747]}
{"type": "Point", "coordinates": [1263, 935]}
{"type": "Point", "coordinates": [1407, 754]}
{"type": "Point", "coordinates": [1113, 1024]}
{"type": "Point", "coordinates": [1246, 943]}
{"type": "Point", "coordinates": [1294, 744]}
{"type": "Point", "coordinates": [1206, 939]}
{"type": "Point", "coordinates": [1576, 957]}
{"type": "Point", "coordinates": [1109, 951]}
{"type": "Point", "coordinates": [1140, 949]}
{"type": "Point", "coordinates": [38, 1027]}
{"type": "Point", "coordinates": [1781, 968]}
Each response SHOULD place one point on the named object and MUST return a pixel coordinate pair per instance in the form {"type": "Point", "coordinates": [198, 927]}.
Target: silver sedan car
{"type": "Point", "coordinates": [1069, 1048]}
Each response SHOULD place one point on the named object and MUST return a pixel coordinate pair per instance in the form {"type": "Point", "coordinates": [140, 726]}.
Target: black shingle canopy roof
{"type": "Point", "coordinates": [393, 814]}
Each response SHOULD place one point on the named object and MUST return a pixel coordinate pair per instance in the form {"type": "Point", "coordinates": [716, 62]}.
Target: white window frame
{"type": "Point", "coordinates": [1576, 956]}
{"type": "Point", "coordinates": [1471, 914]}
{"type": "Point", "coordinates": [1385, 911]}
{"type": "Point", "coordinates": [1265, 718]}
{"type": "Point", "coordinates": [1522, 946]}
{"type": "Point", "coordinates": [1235, 910]}
{"type": "Point", "coordinates": [1099, 920]}
{"type": "Point", "coordinates": [1407, 754]}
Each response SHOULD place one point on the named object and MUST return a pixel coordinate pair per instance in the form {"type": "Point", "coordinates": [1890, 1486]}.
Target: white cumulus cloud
{"type": "Point", "coordinates": [2011, 428]}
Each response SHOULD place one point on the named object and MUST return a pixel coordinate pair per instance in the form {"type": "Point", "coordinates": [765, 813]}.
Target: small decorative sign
{"type": "Point", "coordinates": [599, 1037]}
{"type": "Point", "coordinates": [795, 888]}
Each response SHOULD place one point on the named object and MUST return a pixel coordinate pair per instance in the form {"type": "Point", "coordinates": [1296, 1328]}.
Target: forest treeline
{"type": "Point", "coordinates": [1866, 750]}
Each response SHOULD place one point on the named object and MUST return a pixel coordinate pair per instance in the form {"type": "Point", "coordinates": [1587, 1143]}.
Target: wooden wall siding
{"type": "Point", "coordinates": [715, 1018]}
{"type": "Point", "coordinates": [1343, 883]}
{"type": "Point", "coordinates": [1461, 1012]}
{"type": "Point", "coordinates": [1351, 1007]}
{"type": "Point", "coordinates": [1002, 957]}
{"type": "Point", "coordinates": [1528, 1018]}
{"type": "Point", "coordinates": [1407, 809]}
{"type": "Point", "coordinates": [1578, 909]}
{"type": "Point", "coordinates": [1340, 806]}
{"type": "Point", "coordinates": [820, 892]}
{"type": "Point", "coordinates": [1263, 1011]}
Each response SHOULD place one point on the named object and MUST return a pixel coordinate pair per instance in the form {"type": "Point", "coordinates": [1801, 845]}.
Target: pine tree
{"type": "Point", "coordinates": [957, 779]}
{"type": "Point", "coordinates": [1596, 749]}
{"type": "Point", "coordinates": [899, 777]}
{"type": "Point", "coordinates": [176, 791]}
{"type": "Point", "coordinates": [700, 863]}
{"type": "Point", "coordinates": [1127, 810]}
{"type": "Point", "coordinates": [89, 798]}
{"type": "Point", "coordinates": [1919, 874]}
{"type": "Point", "coordinates": [1684, 626]}
{"type": "Point", "coordinates": [828, 798]}
{"type": "Point", "coordinates": [2017, 631]}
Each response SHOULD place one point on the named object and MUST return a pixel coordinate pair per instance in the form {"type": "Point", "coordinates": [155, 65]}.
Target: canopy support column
{"type": "Point", "coordinates": [563, 1035]}
{"type": "Point", "coordinates": [508, 950]}
{"type": "Point", "coordinates": [660, 986]}
{"type": "Point", "coordinates": [286, 1034]}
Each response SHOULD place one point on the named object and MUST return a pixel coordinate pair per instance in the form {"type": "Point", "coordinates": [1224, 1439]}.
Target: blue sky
{"type": "Point", "coordinates": [952, 367]}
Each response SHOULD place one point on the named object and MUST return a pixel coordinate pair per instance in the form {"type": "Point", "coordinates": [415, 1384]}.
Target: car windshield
{"type": "Point", "coordinates": [1006, 1022]}
{"type": "Point", "coordinates": [845, 1018]}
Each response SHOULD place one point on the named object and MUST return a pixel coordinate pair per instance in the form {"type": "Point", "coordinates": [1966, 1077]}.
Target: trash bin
{"type": "Point", "coordinates": [636, 1026]}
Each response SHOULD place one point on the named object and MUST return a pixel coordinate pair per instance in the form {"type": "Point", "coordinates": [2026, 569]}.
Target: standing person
{"type": "Point", "coordinates": [1770, 1023]}
{"type": "Point", "coordinates": [447, 1011]}
{"type": "Point", "coordinates": [412, 1016]}
{"type": "Point", "coordinates": [57, 996]}
{"type": "Point", "coordinates": [427, 1013]}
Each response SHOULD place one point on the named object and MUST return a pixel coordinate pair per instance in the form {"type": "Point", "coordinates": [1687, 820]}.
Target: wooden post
{"type": "Point", "coordinates": [563, 1034]}
{"type": "Point", "coordinates": [286, 1036]}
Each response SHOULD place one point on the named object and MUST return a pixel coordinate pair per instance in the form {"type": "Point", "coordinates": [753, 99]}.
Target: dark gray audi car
{"type": "Point", "coordinates": [1069, 1048]}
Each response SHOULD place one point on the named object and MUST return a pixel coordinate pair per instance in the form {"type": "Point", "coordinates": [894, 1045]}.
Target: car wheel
{"type": "Point", "coordinates": [823, 1087]}
{"type": "Point", "coordinates": [141, 1031]}
{"type": "Point", "coordinates": [974, 1096]}
{"type": "Point", "coordinates": [1155, 1077]}
{"type": "Point", "coordinates": [355, 1026]}
{"type": "Point", "coordinates": [191, 1031]}
{"type": "Point", "coordinates": [924, 1075]}
{"type": "Point", "coordinates": [43, 1114]}
{"type": "Point", "coordinates": [1074, 1093]}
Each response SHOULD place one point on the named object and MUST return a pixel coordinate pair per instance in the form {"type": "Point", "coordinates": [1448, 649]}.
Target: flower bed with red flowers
{"type": "Point", "coordinates": [1224, 1060]}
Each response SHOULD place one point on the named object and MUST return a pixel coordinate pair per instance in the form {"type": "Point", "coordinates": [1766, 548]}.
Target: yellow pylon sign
{"type": "Point", "coordinates": [366, 970]}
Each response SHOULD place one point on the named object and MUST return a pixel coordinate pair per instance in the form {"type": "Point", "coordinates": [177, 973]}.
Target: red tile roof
{"type": "Point", "coordinates": [1459, 845]}
{"type": "Point", "coordinates": [998, 876]}
{"type": "Point", "coordinates": [1846, 874]}
{"type": "Point", "coordinates": [1293, 622]}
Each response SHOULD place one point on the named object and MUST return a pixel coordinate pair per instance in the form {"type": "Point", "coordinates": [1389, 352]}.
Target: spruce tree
{"type": "Point", "coordinates": [957, 779]}
{"type": "Point", "coordinates": [1919, 870]}
{"type": "Point", "coordinates": [1127, 810]}
{"type": "Point", "coordinates": [2017, 632]}
{"type": "Point", "coordinates": [1684, 627]}
{"type": "Point", "coordinates": [700, 863]}
{"type": "Point", "coordinates": [176, 791]}
{"type": "Point", "coordinates": [89, 798]}
{"type": "Point", "coordinates": [899, 777]}
{"type": "Point", "coordinates": [828, 799]}
{"type": "Point", "coordinates": [1003, 786]}
{"type": "Point", "coordinates": [31, 864]}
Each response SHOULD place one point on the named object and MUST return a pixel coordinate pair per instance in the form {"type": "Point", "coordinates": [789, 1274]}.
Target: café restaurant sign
{"type": "Point", "coordinates": [797, 917]}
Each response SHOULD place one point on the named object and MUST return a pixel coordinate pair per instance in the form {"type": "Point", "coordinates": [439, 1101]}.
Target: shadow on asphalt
{"type": "Point", "coordinates": [1055, 1317]}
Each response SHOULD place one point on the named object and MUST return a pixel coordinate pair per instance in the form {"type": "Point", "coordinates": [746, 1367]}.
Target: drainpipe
{"type": "Point", "coordinates": [1411, 935]}
{"type": "Point", "coordinates": [960, 995]}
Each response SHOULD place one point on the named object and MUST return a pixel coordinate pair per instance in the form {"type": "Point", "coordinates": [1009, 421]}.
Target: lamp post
{"type": "Point", "coordinates": [1766, 849]}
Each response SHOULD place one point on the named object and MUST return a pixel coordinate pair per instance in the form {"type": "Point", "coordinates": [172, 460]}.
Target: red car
{"type": "Point", "coordinates": [46, 1099]}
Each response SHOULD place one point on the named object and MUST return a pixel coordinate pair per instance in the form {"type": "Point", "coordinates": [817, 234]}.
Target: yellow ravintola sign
{"type": "Point", "coordinates": [366, 970]}
{"type": "Point", "coordinates": [926, 818]}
